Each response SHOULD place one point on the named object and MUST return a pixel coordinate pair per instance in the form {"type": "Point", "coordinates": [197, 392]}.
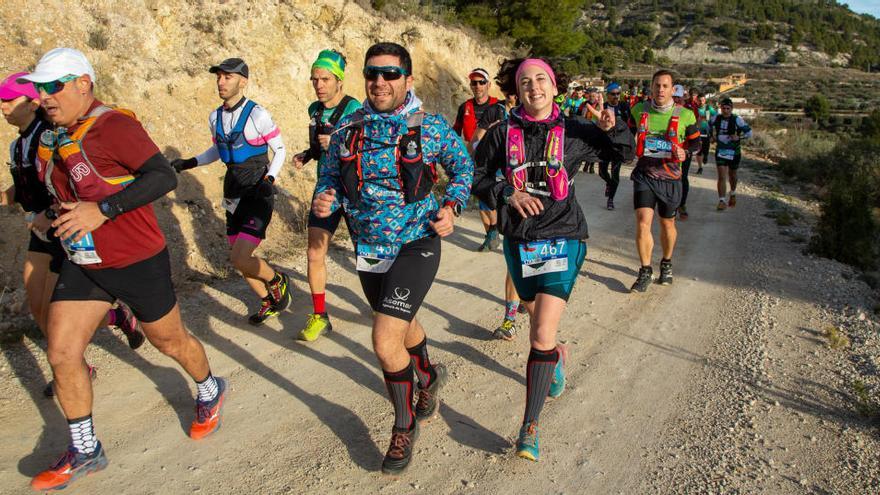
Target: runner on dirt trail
{"type": "Point", "coordinates": [539, 151]}
{"type": "Point", "coordinates": [243, 132]}
{"type": "Point", "coordinates": [610, 171]}
{"type": "Point", "coordinates": [20, 104]}
{"type": "Point", "coordinates": [666, 134]}
{"type": "Point", "coordinates": [381, 167]}
{"type": "Point", "coordinates": [103, 172]}
{"type": "Point", "coordinates": [707, 114]}
{"type": "Point", "coordinates": [328, 73]}
{"type": "Point", "coordinates": [728, 131]}
{"type": "Point", "coordinates": [492, 117]}
{"type": "Point", "coordinates": [467, 124]}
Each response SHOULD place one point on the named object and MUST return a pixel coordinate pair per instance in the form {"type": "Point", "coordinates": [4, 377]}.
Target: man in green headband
{"type": "Point", "coordinates": [328, 71]}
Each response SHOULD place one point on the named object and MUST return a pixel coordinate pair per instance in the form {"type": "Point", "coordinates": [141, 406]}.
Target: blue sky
{"type": "Point", "coordinates": [864, 6]}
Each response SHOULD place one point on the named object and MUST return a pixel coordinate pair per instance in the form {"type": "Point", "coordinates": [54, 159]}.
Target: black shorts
{"type": "Point", "coordinates": [330, 224]}
{"type": "Point", "coordinates": [52, 248]}
{"type": "Point", "coordinates": [705, 142]}
{"type": "Point", "coordinates": [144, 286]}
{"type": "Point", "coordinates": [250, 217]}
{"type": "Point", "coordinates": [664, 195]}
{"type": "Point", "coordinates": [399, 292]}
{"type": "Point", "coordinates": [731, 164]}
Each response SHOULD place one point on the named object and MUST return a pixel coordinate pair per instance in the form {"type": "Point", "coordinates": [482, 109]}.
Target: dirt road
{"type": "Point", "coordinates": [719, 383]}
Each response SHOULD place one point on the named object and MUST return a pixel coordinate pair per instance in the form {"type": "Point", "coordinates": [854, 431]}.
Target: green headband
{"type": "Point", "coordinates": [332, 61]}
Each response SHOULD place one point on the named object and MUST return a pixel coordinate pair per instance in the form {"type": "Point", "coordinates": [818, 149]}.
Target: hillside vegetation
{"type": "Point", "coordinates": [592, 35]}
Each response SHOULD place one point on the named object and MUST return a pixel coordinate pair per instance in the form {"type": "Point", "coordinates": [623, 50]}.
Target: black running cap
{"type": "Point", "coordinates": [231, 66]}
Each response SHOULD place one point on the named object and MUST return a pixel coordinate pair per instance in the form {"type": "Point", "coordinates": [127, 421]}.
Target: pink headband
{"type": "Point", "coordinates": [537, 63]}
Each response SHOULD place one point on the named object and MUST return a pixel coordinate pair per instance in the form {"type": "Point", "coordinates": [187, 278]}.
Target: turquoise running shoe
{"type": "Point", "coordinates": [527, 445]}
{"type": "Point", "coordinates": [557, 386]}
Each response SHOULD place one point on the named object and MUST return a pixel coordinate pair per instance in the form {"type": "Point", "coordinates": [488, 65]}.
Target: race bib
{"type": "Point", "coordinates": [231, 204]}
{"type": "Point", "coordinates": [727, 154]}
{"type": "Point", "coordinates": [376, 258]}
{"type": "Point", "coordinates": [538, 257]}
{"type": "Point", "coordinates": [657, 147]}
{"type": "Point", "coordinates": [82, 252]}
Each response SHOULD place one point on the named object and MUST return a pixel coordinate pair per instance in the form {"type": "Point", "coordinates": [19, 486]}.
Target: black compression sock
{"type": "Point", "coordinates": [418, 356]}
{"type": "Point", "coordinates": [400, 389]}
{"type": "Point", "coordinates": [539, 376]}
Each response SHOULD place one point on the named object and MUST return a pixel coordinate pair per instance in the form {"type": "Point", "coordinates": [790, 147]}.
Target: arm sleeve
{"type": "Point", "coordinates": [457, 162]}
{"type": "Point", "coordinates": [211, 154]}
{"type": "Point", "coordinates": [208, 156]}
{"type": "Point", "coordinates": [155, 178]}
{"type": "Point", "coordinates": [487, 162]}
{"type": "Point", "coordinates": [271, 135]}
{"type": "Point", "coordinates": [459, 120]}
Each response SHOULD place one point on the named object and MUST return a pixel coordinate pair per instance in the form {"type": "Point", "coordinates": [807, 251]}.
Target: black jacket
{"type": "Point", "coordinates": [584, 142]}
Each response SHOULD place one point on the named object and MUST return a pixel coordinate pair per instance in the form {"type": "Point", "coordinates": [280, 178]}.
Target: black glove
{"type": "Point", "coordinates": [265, 188]}
{"type": "Point", "coordinates": [179, 164]}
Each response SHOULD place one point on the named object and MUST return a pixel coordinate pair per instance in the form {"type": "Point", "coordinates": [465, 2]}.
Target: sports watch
{"type": "Point", "coordinates": [454, 206]}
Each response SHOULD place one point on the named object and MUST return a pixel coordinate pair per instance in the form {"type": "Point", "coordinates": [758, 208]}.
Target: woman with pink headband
{"type": "Point", "coordinates": [538, 150]}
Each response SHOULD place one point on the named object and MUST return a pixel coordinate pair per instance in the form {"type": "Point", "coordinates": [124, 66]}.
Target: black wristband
{"type": "Point", "coordinates": [109, 209]}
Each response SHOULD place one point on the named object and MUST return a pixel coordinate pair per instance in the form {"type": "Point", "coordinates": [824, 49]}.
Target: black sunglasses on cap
{"type": "Point", "coordinates": [388, 72]}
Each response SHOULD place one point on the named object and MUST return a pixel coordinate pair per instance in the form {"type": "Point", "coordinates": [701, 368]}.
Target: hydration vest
{"type": "Point", "coordinates": [671, 136]}
{"type": "Point", "coordinates": [732, 127]}
{"type": "Point", "coordinates": [556, 181]}
{"type": "Point", "coordinates": [30, 192]}
{"type": "Point", "coordinates": [63, 150]}
{"type": "Point", "coordinates": [470, 121]}
{"type": "Point", "coordinates": [318, 127]}
{"type": "Point", "coordinates": [234, 148]}
{"type": "Point", "coordinates": [415, 178]}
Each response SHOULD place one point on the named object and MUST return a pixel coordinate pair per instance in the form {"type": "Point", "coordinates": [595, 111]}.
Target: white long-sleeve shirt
{"type": "Point", "coordinates": [258, 130]}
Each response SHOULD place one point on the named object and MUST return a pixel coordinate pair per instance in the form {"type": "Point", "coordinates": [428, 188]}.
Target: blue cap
{"type": "Point", "coordinates": [612, 87]}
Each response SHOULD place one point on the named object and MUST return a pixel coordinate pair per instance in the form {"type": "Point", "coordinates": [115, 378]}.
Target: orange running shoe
{"type": "Point", "coordinates": [71, 466]}
{"type": "Point", "coordinates": [208, 414]}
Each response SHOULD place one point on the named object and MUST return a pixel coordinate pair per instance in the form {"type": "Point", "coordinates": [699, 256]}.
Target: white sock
{"type": "Point", "coordinates": [721, 199]}
{"type": "Point", "coordinates": [82, 435]}
{"type": "Point", "coordinates": [207, 389]}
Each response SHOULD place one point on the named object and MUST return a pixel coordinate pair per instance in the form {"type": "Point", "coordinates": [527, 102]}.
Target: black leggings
{"type": "Point", "coordinates": [685, 183]}
{"type": "Point", "coordinates": [611, 177]}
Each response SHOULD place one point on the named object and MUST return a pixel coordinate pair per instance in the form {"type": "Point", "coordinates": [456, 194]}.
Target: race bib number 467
{"type": "Point", "coordinates": [539, 257]}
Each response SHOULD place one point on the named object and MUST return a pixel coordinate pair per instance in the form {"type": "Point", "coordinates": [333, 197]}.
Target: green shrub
{"type": "Point", "coordinates": [848, 229]}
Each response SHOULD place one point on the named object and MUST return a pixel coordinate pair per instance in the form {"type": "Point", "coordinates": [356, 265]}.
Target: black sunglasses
{"type": "Point", "coordinates": [614, 93]}
{"type": "Point", "coordinates": [388, 72]}
{"type": "Point", "coordinates": [479, 82]}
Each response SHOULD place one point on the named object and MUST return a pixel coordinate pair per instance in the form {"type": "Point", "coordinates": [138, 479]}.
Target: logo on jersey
{"type": "Point", "coordinates": [79, 171]}
{"type": "Point", "coordinates": [411, 149]}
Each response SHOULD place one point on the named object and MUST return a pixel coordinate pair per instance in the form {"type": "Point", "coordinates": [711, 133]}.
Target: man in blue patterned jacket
{"type": "Point", "coordinates": [381, 167]}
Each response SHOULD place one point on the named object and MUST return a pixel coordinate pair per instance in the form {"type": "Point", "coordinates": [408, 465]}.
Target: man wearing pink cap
{"type": "Point", "coordinates": [103, 172]}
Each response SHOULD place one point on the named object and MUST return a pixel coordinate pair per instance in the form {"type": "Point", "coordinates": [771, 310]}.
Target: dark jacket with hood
{"type": "Point", "coordinates": [584, 142]}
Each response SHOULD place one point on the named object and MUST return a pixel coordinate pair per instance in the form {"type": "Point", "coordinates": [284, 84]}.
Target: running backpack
{"type": "Point", "coordinates": [57, 148]}
{"type": "Point", "coordinates": [415, 178]}
{"type": "Point", "coordinates": [556, 181]}
{"type": "Point", "coordinates": [233, 147]}
{"type": "Point", "coordinates": [316, 126]}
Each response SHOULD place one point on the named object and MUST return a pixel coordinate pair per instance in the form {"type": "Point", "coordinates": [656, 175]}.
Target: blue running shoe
{"type": "Point", "coordinates": [557, 386]}
{"type": "Point", "coordinates": [527, 445]}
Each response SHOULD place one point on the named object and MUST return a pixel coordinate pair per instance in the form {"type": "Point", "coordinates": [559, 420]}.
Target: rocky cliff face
{"type": "Point", "coordinates": [152, 56]}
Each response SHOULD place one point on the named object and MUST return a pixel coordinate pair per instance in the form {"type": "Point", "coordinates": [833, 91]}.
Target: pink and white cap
{"type": "Point", "coordinates": [11, 89]}
{"type": "Point", "coordinates": [57, 63]}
